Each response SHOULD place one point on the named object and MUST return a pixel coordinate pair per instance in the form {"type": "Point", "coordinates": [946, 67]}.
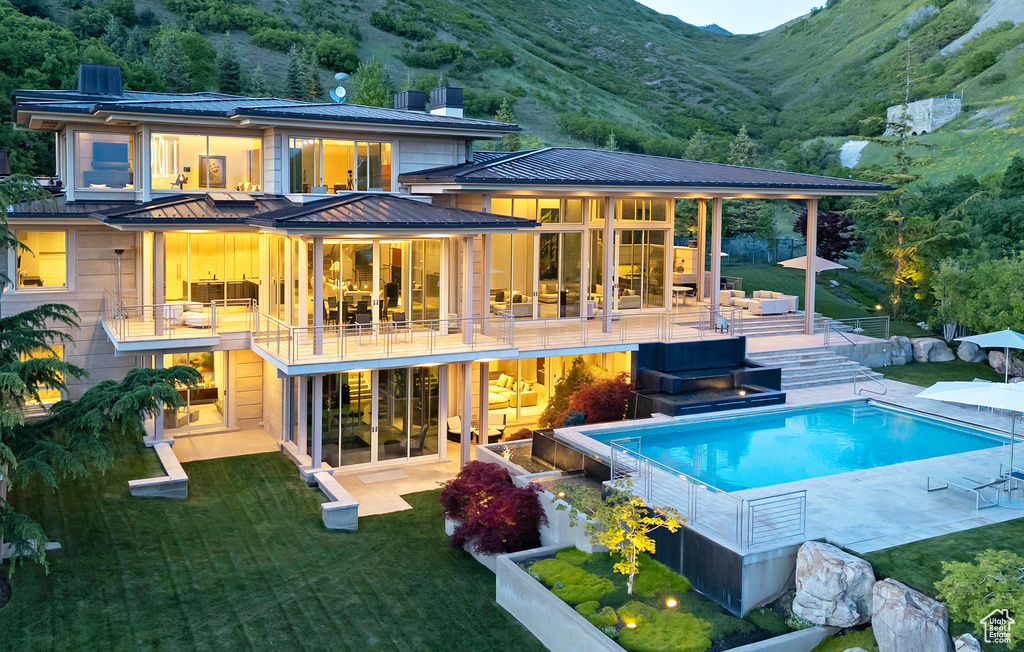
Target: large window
{"type": "Point", "coordinates": [45, 263]}
{"type": "Point", "coordinates": [641, 269]}
{"type": "Point", "coordinates": [512, 274]}
{"type": "Point", "coordinates": [195, 162]}
{"type": "Point", "coordinates": [546, 211]}
{"type": "Point", "coordinates": [642, 210]}
{"type": "Point", "coordinates": [207, 267]}
{"type": "Point", "coordinates": [104, 161]}
{"type": "Point", "coordinates": [334, 166]}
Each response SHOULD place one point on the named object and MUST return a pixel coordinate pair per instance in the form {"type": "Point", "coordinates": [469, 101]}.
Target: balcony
{"type": "Point", "coordinates": [176, 325]}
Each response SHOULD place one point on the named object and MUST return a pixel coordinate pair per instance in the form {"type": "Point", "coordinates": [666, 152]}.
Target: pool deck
{"type": "Point", "coordinates": [888, 506]}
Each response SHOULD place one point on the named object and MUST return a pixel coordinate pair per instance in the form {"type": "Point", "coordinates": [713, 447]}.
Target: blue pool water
{"type": "Point", "coordinates": [762, 450]}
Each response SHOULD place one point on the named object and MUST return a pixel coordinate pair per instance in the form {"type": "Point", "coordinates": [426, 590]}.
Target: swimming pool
{"type": "Point", "coordinates": [767, 449]}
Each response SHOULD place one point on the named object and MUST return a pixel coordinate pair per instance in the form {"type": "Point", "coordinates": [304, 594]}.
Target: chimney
{"type": "Point", "coordinates": [411, 101]}
{"type": "Point", "coordinates": [98, 79]}
{"type": "Point", "coordinates": [446, 101]}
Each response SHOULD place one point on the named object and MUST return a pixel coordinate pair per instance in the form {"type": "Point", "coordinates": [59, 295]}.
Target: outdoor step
{"type": "Point", "coordinates": [784, 358]}
{"type": "Point", "coordinates": [820, 372]}
{"type": "Point", "coordinates": [820, 382]}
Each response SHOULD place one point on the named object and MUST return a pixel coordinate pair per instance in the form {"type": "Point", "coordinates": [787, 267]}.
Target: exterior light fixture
{"type": "Point", "coordinates": [878, 306]}
{"type": "Point", "coordinates": [671, 602]}
{"type": "Point", "coordinates": [561, 494]}
{"type": "Point", "coordinates": [631, 625]}
{"type": "Point", "coordinates": [743, 392]}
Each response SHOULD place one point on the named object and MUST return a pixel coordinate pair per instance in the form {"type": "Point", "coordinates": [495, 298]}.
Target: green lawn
{"type": "Point", "coordinates": [929, 373]}
{"type": "Point", "coordinates": [245, 563]}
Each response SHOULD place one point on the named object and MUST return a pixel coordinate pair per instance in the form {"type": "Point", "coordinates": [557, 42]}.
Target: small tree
{"type": "Point", "coordinates": [580, 373]}
{"type": "Point", "coordinates": [509, 142]}
{"type": "Point", "coordinates": [372, 84]}
{"type": "Point", "coordinates": [611, 144]}
{"type": "Point", "coordinates": [764, 228]}
{"type": "Point", "coordinates": [229, 69]}
{"type": "Point", "coordinates": [699, 146]}
{"type": "Point", "coordinates": [972, 591]}
{"type": "Point", "coordinates": [743, 149]}
{"type": "Point", "coordinates": [173, 62]}
{"type": "Point", "coordinates": [258, 85]}
{"type": "Point", "coordinates": [603, 400]}
{"type": "Point", "coordinates": [836, 234]}
{"type": "Point", "coordinates": [1013, 180]}
{"type": "Point", "coordinates": [295, 87]}
{"type": "Point", "coordinates": [622, 522]}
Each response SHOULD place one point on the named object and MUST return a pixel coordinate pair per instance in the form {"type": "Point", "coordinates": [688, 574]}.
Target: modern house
{"type": "Point", "coordinates": [346, 278]}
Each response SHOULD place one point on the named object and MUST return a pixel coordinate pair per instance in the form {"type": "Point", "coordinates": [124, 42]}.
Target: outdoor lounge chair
{"type": "Point", "coordinates": [455, 429]}
{"type": "Point", "coordinates": [967, 485]}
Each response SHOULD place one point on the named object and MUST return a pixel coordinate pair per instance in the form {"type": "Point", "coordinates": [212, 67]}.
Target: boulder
{"type": "Point", "coordinates": [904, 620]}
{"type": "Point", "coordinates": [966, 643]}
{"type": "Point", "coordinates": [832, 587]}
{"type": "Point", "coordinates": [931, 349]}
{"type": "Point", "coordinates": [902, 350]}
{"type": "Point", "coordinates": [971, 352]}
{"type": "Point", "coordinates": [997, 360]}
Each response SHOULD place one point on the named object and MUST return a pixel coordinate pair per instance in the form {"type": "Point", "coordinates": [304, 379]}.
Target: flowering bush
{"type": "Point", "coordinates": [496, 516]}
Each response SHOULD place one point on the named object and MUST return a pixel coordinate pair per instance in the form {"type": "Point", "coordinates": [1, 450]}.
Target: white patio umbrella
{"type": "Point", "coordinates": [820, 264]}
{"type": "Point", "coordinates": [1002, 396]}
{"type": "Point", "coordinates": [1004, 340]}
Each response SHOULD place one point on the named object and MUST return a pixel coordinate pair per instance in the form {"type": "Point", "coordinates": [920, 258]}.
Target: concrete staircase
{"type": "Point", "coordinates": [789, 324]}
{"type": "Point", "coordinates": [803, 368]}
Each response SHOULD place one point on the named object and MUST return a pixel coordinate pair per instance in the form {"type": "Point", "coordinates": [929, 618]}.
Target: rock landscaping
{"type": "Point", "coordinates": [931, 349]}
{"type": "Point", "coordinates": [905, 620]}
{"type": "Point", "coordinates": [832, 587]}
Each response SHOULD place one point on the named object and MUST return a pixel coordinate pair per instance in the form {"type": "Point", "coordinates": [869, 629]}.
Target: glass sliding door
{"type": "Point", "coordinates": [205, 267]}
{"type": "Point", "coordinates": [395, 279]}
{"type": "Point", "coordinates": [347, 418]}
{"type": "Point", "coordinates": [203, 407]}
{"type": "Point", "coordinates": [425, 292]}
{"type": "Point", "coordinates": [512, 274]}
{"type": "Point", "coordinates": [571, 268]}
{"type": "Point", "coordinates": [597, 268]}
{"type": "Point", "coordinates": [348, 281]}
{"type": "Point", "coordinates": [559, 257]}
{"type": "Point", "coordinates": [393, 418]}
{"type": "Point", "coordinates": [640, 265]}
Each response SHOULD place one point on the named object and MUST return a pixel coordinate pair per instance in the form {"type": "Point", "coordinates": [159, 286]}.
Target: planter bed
{"type": "Point", "coordinates": [568, 594]}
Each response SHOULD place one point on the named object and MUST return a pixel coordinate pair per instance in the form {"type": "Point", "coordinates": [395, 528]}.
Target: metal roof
{"type": "Point", "coordinates": [362, 211]}
{"type": "Point", "coordinates": [591, 167]}
{"type": "Point", "coordinates": [233, 106]}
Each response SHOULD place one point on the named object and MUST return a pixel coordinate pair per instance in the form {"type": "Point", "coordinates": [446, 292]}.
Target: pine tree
{"type": "Point", "coordinates": [76, 437]}
{"type": "Point", "coordinates": [116, 36]}
{"type": "Point", "coordinates": [172, 62]}
{"type": "Point", "coordinates": [509, 142]}
{"type": "Point", "coordinates": [1013, 180]}
{"type": "Point", "coordinates": [229, 69]}
{"type": "Point", "coordinates": [312, 86]}
{"type": "Point", "coordinates": [611, 144]}
{"type": "Point", "coordinates": [257, 85]}
{"type": "Point", "coordinates": [743, 150]}
{"type": "Point", "coordinates": [372, 84]}
{"type": "Point", "coordinates": [294, 83]}
{"type": "Point", "coordinates": [699, 146]}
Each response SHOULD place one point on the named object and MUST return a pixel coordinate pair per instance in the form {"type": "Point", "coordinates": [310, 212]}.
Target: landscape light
{"type": "Point", "coordinates": [743, 392]}
{"type": "Point", "coordinates": [878, 306]}
{"type": "Point", "coordinates": [631, 625]}
{"type": "Point", "coordinates": [561, 494]}
{"type": "Point", "coordinates": [671, 602]}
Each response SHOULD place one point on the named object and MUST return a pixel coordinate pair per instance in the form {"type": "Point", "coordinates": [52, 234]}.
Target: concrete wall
{"type": "Point", "coordinates": [869, 354]}
{"type": "Point", "coordinates": [420, 153]}
{"type": "Point", "coordinates": [92, 268]}
{"type": "Point", "coordinates": [557, 625]}
{"type": "Point", "coordinates": [926, 115]}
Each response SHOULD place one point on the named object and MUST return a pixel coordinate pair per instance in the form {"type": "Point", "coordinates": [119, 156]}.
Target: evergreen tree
{"type": "Point", "coordinates": [509, 142]}
{"type": "Point", "coordinates": [229, 69]}
{"type": "Point", "coordinates": [172, 62]}
{"type": "Point", "coordinates": [294, 82]}
{"type": "Point", "coordinates": [116, 36]}
{"type": "Point", "coordinates": [372, 84]}
{"type": "Point", "coordinates": [312, 86]}
{"type": "Point", "coordinates": [1013, 180]}
{"type": "Point", "coordinates": [611, 144]}
{"type": "Point", "coordinates": [257, 85]}
{"type": "Point", "coordinates": [743, 150]}
{"type": "Point", "coordinates": [699, 146]}
{"type": "Point", "coordinates": [76, 437]}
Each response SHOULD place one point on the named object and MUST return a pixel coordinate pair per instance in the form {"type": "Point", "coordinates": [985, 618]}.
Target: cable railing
{"type": "Point", "coordinates": [839, 332]}
{"type": "Point", "coordinates": [744, 522]}
{"type": "Point", "coordinates": [177, 319]}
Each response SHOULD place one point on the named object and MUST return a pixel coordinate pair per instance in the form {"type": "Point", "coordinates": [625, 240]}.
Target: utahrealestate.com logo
{"type": "Point", "coordinates": [997, 626]}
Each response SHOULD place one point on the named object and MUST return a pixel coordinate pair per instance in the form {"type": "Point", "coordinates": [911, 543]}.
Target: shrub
{"type": "Point", "coordinates": [577, 585]}
{"type": "Point", "coordinates": [580, 373]}
{"type": "Point", "coordinates": [496, 516]}
{"type": "Point", "coordinates": [768, 620]}
{"type": "Point", "coordinates": [508, 521]}
{"type": "Point", "coordinates": [519, 435]}
{"type": "Point", "coordinates": [573, 556]}
{"type": "Point", "coordinates": [979, 62]}
{"type": "Point", "coordinates": [598, 616]}
{"type": "Point", "coordinates": [664, 631]}
{"type": "Point", "coordinates": [659, 578]}
{"type": "Point", "coordinates": [463, 494]}
{"type": "Point", "coordinates": [574, 418]}
{"type": "Point", "coordinates": [971, 591]}
{"type": "Point", "coordinates": [994, 79]}
{"type": "Point", "coordinates": [637, 612]}
{"type": "Point", "coordinates": [603, 400]}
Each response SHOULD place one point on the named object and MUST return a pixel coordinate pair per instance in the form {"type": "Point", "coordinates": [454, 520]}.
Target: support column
{"type": "Point", "coordinates": [302, 428]}
{"type": "Point", "coordinates": [467, 290]}
{"type": "Point", "coordinates": [702, 248]}
{"type": "Point", "coordinates": [485, 284]}
{"type": "Point", "coordinates": [158, 420]}
{"type": "Point", "coordinates": [289, 282]}
{"type": "Point", "coordinates": [716, 250]}
{"type": "Point", "coordinates": [467, 414]}
{"type": "Point", "coordinates": [159, 269]}
{"type": "Point", "coordinates": [809, 274]}
{"type": "Point", "coordinates": [484, 376]}
{"type": "Point", "coordinates": [318, 299]}
{"type": "Point", "coordinates": [318, 422]}
{"type": "Point", "coordinates": [303, 284]}
{"type": "Point", "coordinates": [608, 273]}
